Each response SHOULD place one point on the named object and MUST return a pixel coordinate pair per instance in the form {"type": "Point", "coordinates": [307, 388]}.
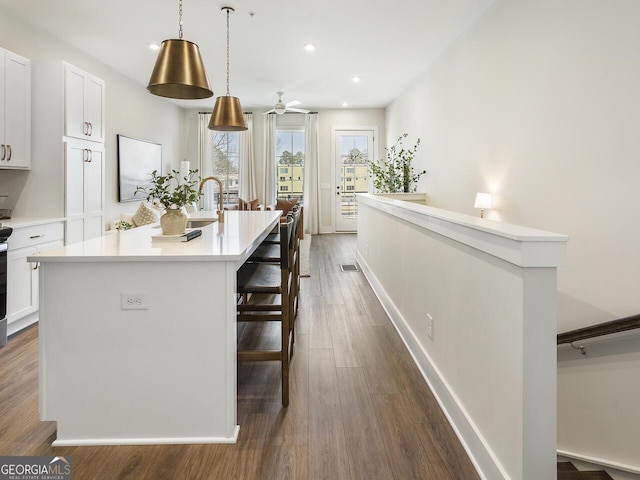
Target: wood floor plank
{"type": "Point", "coordinates": [367, 455]}
{"type": "Point", "coordinates": [319, 330]}
{"type": "Point", "coordinates": [440, 437]}
{"type": "Point", "coordinates": [373, 358]}
{"type": "Point", "coordinates": [359, 407]}
{"type": "Point", "coordinates": [344, 351]}
{"type": "Point", "coordinates": [327, 445]}
{"type": "Point", "coordinates": [407, 455]}
{"type": "Point", "coordinates": [284, 462]}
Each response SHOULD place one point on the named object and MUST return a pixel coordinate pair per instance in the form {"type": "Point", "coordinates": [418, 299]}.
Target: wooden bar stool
{"type": "Point", "coordinates": [266, 290]}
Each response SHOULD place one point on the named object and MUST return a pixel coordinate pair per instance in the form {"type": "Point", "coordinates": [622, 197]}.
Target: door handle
{"type": "Point", "coordinates": [90, 128]}
{"type": "Point", "coordinates": [4, 151]}
{"type": "Point", "coordinates": [10, 152]}
{"type": "Point", "coordinates": [90, 155]}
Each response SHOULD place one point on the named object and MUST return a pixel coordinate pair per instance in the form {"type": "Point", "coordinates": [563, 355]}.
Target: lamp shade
{"type": "Point", "coordinates": [179, 72]}
{"type": "Point", "coordinates": [483, 200]}
{"type": "Point", "coordinates": [227, 115]}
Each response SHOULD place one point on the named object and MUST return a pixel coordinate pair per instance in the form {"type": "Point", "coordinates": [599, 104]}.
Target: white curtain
{"type": "Point", "coordinates": [247, 181]}
{"type": "Point", "coordinates": [205, 159]}
{"type": "Point", "coordinates": [269, 158]}
{"type": "Point", "coordinates": [311, 174]}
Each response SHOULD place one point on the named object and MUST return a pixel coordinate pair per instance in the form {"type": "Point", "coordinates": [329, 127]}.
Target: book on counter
{"type": "Point", "coordinates": [189, 234]}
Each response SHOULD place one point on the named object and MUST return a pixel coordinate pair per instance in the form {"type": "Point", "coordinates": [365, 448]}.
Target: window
{"type": "Point", "coordinates": [225, 165]}
{"type": "Point", "coordinates": [290, 160]}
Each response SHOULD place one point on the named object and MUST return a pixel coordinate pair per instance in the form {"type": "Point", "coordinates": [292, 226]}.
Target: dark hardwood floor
{"type": "Point", "coordinates": [359, 407]}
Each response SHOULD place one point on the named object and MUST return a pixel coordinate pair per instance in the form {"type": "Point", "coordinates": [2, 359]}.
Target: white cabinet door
{"type": "Point", "coordinates": [75, 159]}
{"type": "Point", "coordinates": [84, 105]}
{"type": "Point", "coordinates": [84, 192]}
{"type": "Point", "coordinates": [94, 105]}
{"type": "Point", "coordinates": [74, 85]}
{"type": "Point", "coordinates": [3, 148]}
{"type": "Point", "coordinates": [22, 299]}
{"type": "Point", "coordinates": [15, 109]}
{"type": "Point", "coordinates": [23, 280]}
{"type": "Point", "coordinates": [94, 194]}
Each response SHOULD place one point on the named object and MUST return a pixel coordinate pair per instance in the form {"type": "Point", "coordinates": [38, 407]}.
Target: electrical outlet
{"type": "Point", "coordinates": [430, 326]}
{"type": "Point", "coordinates": [134, 301]}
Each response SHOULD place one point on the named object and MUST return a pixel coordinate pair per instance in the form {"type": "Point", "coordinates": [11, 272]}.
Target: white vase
{"type": "Point", "coordinates": [173, 222]}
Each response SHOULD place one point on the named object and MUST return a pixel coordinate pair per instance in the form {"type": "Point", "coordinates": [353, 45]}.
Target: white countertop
{"type": "Point", "coordinates": [233, 240]}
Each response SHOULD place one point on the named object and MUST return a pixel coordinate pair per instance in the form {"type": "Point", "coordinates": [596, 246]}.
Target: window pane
{"type": "Point", "coordinates": [360, 142]}
{"type": "Point", "coordinates": [225, 164]}
{"type": "Point", "coordinates": [290, 163]}
{"type": "Point", "coordinates": [347, 144]}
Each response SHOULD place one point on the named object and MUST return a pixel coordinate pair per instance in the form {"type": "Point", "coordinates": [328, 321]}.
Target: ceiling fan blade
{"type": "Point", "coordinates": [292, 103]}
{"type": "Point", "coordinates": [269, 111]}
{"type": "Point", "coordinates": [297, 110]}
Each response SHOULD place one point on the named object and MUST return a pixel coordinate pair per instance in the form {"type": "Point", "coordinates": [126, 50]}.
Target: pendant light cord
{"type": "Point", "coordinates": [180, 17]}
{"type": "Point", "coordinates": [227, 51]}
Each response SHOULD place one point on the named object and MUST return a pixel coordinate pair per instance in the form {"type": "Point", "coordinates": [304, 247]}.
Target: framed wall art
{"type": "Point", "coordinates": [136, 160]}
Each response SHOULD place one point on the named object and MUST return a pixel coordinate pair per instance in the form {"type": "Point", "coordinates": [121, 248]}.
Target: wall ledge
{"type": "Point", "coordinates": [522, 246]}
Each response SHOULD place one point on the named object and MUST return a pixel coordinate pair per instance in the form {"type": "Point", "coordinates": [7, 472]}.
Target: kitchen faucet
{"type": "Point", "coordinates": [220, 210]}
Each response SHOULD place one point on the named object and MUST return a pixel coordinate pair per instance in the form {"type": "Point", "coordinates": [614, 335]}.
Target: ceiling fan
{"type": "Point", "coordinates": [281, 107]}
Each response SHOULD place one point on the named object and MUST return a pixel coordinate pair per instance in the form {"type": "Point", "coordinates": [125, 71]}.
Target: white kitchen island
{"type": "Point", "coordinates": [138, 339]}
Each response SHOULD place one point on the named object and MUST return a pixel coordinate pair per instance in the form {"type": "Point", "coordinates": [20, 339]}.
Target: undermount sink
{"type": "Point", "coordinates": [199, 223]}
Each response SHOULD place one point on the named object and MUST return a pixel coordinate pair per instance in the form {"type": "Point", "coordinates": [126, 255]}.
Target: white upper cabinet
{"type": "Point", "coordinates": [84, 105]}
{"type": "Point", "coordinates": [15, 111]}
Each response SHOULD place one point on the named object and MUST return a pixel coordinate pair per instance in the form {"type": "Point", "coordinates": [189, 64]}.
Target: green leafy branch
{"type": "Point", "coordinates": [170, 191]}
{"type": "Point", "coordinates": [395, 173]}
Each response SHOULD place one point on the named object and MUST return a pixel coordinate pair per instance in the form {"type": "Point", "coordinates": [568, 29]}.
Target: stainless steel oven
{"type": "Point", "coordinates": [4, 234]}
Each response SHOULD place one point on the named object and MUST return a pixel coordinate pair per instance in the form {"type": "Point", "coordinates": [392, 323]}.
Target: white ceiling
{"type": "Point", "coordinates": [388, 44]}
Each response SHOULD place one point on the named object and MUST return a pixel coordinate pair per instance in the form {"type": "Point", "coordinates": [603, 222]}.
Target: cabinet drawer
{"type": "Point", "coordinates": [35, 235]}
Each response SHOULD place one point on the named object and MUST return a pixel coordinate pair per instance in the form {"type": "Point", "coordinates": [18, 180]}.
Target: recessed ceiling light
{"type": "Point", "coordinates": [345, 104]}
{"type": "Point", "coordinates": [309, 47]}
{"type": "Point", "coordinates": [154, 46]}
{"type": "Point", "coordinates": [356, 79]}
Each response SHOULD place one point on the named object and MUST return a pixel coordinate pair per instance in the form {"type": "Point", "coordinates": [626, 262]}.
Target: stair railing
{"type": "Point", "coordinates": [606, 328]}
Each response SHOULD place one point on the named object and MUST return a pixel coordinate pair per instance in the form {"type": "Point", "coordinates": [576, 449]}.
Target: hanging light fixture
{"type": "Point", "coordinates": [179, 71]}
{"type": "Point", "coordinates": [227, 112]}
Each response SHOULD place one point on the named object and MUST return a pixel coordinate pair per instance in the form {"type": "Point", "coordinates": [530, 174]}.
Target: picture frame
{"type": "Point", "coordinates": [136, 160]}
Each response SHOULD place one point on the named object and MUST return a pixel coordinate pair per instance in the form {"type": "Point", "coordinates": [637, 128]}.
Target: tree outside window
{"type": "Point", "coordinates": [225, 165]}
{"type": "Point", "coordinates": [290, 163]}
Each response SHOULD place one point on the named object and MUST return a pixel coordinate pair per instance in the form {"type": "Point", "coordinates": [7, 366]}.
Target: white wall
{"type": "Point", "coordinates": [130, 110]}
{"type": "Point", "coordinates": [538, 103]}
{"type": "Point", "coordinates": [327, 119]}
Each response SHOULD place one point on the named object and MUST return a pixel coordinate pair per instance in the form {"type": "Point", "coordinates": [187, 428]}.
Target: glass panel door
{"type": "Point", "coordinates": [353, 149]}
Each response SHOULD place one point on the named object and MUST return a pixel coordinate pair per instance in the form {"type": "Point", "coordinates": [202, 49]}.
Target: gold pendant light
{"type": "Point", "coordinates": [227, 112]}
{"type": "Point", "coordinates": [179, 71]}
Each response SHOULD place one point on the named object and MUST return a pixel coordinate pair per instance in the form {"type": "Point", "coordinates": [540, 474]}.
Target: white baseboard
{"type": "Point", "coordinates": [147, 441]}
{"type": "Point", "coordinates": [484, 461]}
{"type": "Point", "coordinates": [600, 463]}
{"type": "Point", "coordinates": [22, 323]}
